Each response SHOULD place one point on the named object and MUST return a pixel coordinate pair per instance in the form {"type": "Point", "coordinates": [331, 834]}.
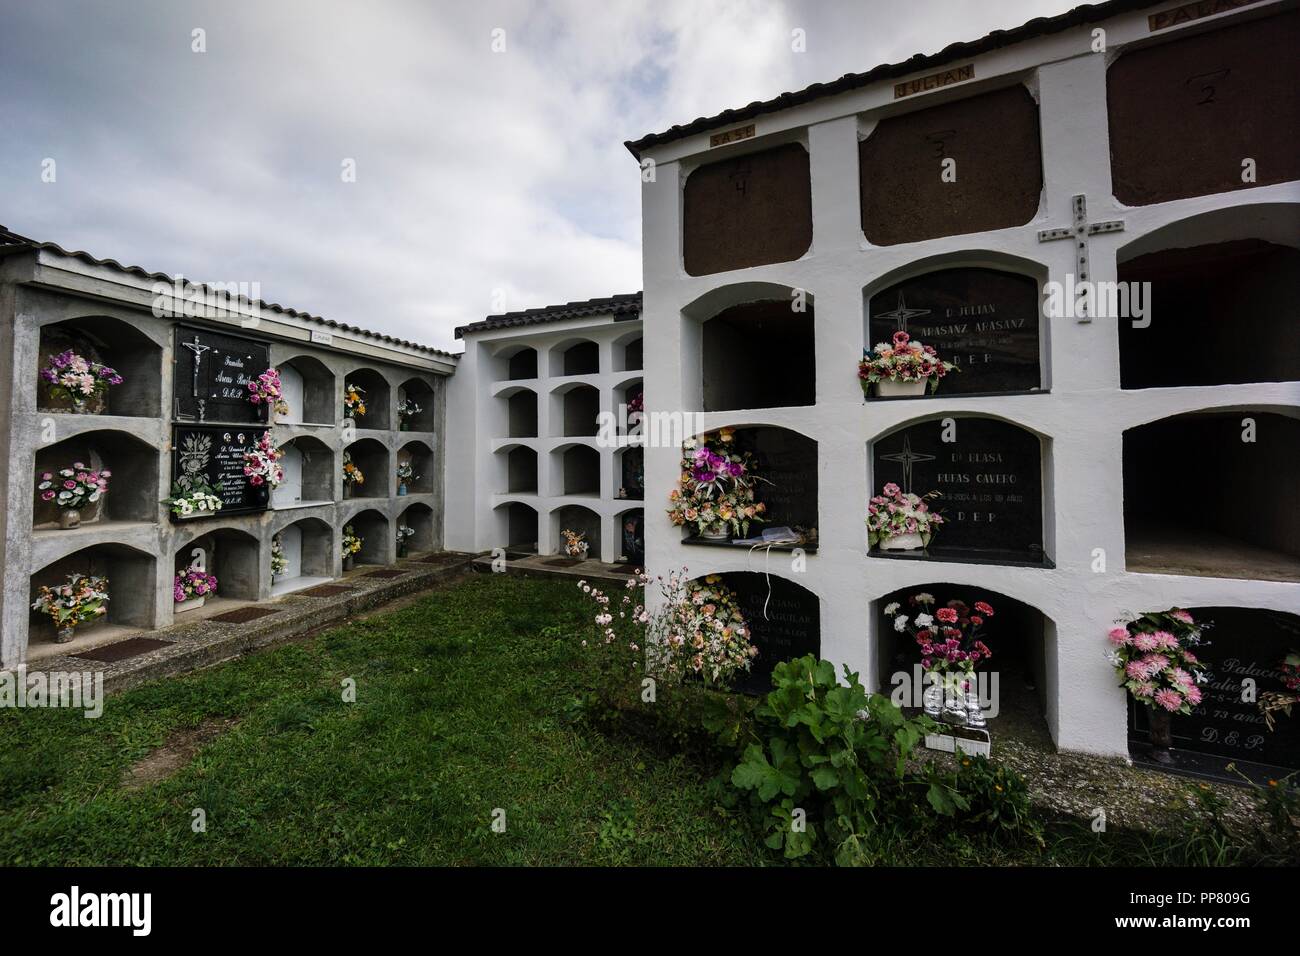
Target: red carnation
{"type": "Point", "coordinates": [984, 609]}
{"type": "Point", "coordinates": [947, 615]}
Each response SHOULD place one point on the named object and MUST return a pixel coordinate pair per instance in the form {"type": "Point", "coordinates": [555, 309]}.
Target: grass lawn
{"type": "Point", "coordinates": [461, 703]}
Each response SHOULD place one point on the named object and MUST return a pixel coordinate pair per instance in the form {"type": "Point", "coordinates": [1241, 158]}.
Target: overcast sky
{"type": "Point", "coordinates": [475, 171]}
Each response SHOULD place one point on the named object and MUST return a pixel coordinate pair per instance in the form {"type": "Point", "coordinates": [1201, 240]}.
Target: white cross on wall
{"type": "Point", "coordinates": [1080, 232]}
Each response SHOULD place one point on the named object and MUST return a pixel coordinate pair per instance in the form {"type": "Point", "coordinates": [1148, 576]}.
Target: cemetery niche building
{"type": "Point", "coordinates": [176, 416]}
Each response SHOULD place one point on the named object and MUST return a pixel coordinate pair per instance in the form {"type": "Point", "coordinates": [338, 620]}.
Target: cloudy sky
{"type": "Point", "coordinates": [479, 174]}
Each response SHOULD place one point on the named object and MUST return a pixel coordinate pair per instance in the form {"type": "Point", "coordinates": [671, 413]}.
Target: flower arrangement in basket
{"type": "Point", "coordinates": [354, 405]}
{"type": "Point", "coordinates": [903, 367]}
{"type": "Point", "coordinates": [950, 642]}
{"type": "Point", "coordinates": [575, 543]}
{"type": "Point", "coordinates": [71, 489]}
{"type": "Point", "coordinates": [898, 520]}
{"type": "Point", "coordinates": [696, 631]}
{"type": "Point", "coordinates": [77, 379]}
{"type": "Point", "coordinates": [405, 475]}
{"type": "Point", "coordinates": [1153, 657]}
{"type": "Point", "coordinates": [279, 560]}
{"type": "Point", "coordinates": [716, 492]}
{"type": "Point", "coordinates": [191, 587]}
{"type": "Point", "coordinates": [262, 463]}
{"type": "Point", "coordinates": [352, 475]}
{"type": "Point", "coordinates": [266, 389]}
{"type": "Point", "coordinates": [196, 501]}
{"type": "Point", "coordinates": [81, 600]}
{"type": "Point", "coordinates": [407, 409]}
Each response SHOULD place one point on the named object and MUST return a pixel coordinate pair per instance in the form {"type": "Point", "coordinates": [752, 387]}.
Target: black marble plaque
{"type": "Point", "coordinates": [989, 478]}
{"type": "Point", "coordinates": [212, 372]}
{"type": "Point", "coordinates": [982, 320]}
{"type": "Point", "coordinates": [787, 463]}
{"type": "Point", "coordinates": [784, 623]}
{"type": "Point", "coordinates": [214, 455]}
{"type": "Point", "coordinates": [1244, 644]}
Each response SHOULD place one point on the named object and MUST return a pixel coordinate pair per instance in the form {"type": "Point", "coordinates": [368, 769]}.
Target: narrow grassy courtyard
{"type": "Point", "coordinates": [463, 709]}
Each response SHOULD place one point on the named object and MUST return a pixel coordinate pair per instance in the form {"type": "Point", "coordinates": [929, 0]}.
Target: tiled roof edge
{"type": "Point", "coordinates": [627, 304]}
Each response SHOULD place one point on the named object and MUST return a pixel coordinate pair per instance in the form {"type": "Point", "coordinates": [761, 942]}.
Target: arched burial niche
{"type": "Point", "coordinates": [132, 485]}
{"type": "Point", "coordinates": [575, 357]}
{"type": "Point", "coordinates": [419, 519]}
{"type": "Point", "coordinates": [415, 409]}
{"type": "Point", "coordinates": [630, 539]}
{"type": "Point", "coordinates": [1017, 684]}
{"type": "Point", "coordinates": [784, 464]}
{"type": "Point", "coordinates": [517, 527]}
{"type": "Point", "coordinates": [580, 471]}
{"type": "Point", "coordinates": [1213, 494]}
{"type": "Point", "coordinates": [308, 391]}
{"type": "Point", "coordinates": [984, 320]}
{"type": "Point", "coordinates": [581, 520]}
{"type": "Point", "coordinates": [420, 457]}
{"type": "Point", "coordinates": [371, 457]}
{"type": "Point", "coordinates": [111, 342]}
{"type": "Point", "coordinates": [748, 210]}
{"type": "Point", "coordinates": [629, 472]}
{"type": "Point", "coordinates": [577, 410]}
{"type": "Point", "coordinates": [374, 395]}
{"type": "Point", "coordinates": [1243, 644]}
{"type": "Point", "coordinates": [308, 465]}
{"type": "Point", "coordinates": [628, 354]}
{"type": "Point", "coordinates": [521, 413]}
{"type": "Point", "coordinates": [990, 478]}
{"type": "Point", "coordinates": [521, 470]}
{"type": "Point", "coordinates": [1222, 313]}
{"type": "Point", "coordinates": [516, 363]}
{"type": "Point", "coordinates": [308, 548]}
{"type": "Point", "coordinates": [233, 556]}
{"type": "Point", "coordinates": [784, 621]}
{"type": "Point", "coordinates": [133, 598]}
{"type": "Point", "coordinates": [373, 529]}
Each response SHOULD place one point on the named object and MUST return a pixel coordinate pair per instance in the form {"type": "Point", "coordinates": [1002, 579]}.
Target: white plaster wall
{"type": "Point", "coordinates": [1083, 417]}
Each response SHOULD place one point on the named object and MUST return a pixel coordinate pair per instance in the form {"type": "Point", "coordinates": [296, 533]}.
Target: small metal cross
{"type": "Point", "coordinates": [1080, 232]}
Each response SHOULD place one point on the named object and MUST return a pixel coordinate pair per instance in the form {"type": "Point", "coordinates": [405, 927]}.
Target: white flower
{"type": "Point", "coordinates": [1113, 658]}
{"type": "Point", "coordinates": [924, 620]}
{"type": "Point", "coordinates": [900, 622]}
{"type": "Point", "coordinates": [891, 609]}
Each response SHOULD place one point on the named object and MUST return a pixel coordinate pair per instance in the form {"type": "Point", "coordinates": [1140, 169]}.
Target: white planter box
{"type": "Point", "coordinates": [949, 743]}
{"type": "Point", "coordinates": [191, 604]}
{"type": "Point", "coordinates": [902, 542]}
{"type": "Point", "coordinates": [888, 389]}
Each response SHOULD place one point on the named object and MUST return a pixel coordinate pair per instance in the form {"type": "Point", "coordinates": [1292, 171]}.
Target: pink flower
{"type": "Point", "coordinates": [1144, 689]}
{"type": "Point", "coordinates": [1145, 642]}
{"type": "Point", "coordinates": [1118, 636]}
{"type": "Point", "coordinates": [1194, 694]}
{"type": "Point", "coordinates": [891, 490]}
{"type": "Point", "coordinates": [1170, 700]}
{"type": "Point", "coordinates": [1165, 640]}
{"type": "Point", "coordinates": [1136, 670]}
{"type": "Point", "coordinates": [1181, 615]}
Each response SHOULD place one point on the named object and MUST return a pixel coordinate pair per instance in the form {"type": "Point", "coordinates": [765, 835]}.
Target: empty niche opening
{"type": "Point", "coordinates": [759, 355]}
{"type": "Point", "coordinates": [627, 355]}
{"type": "Point", "coordinates": [581, 357]}
{"type": "Point", "coordinates": [132, 594]}
{"type": "Point", "coordinates": [418, 518]}
{"type": "Point", "coordinates": [371, 457]}
{"type": "Point", "coordinates": [1016, 685]}
{"type": "Point", "coordinates": [581, 471]}
{"type": "Point", "coordinates": [582, 521]}
{"type": "Point", "coordinates": [308, 391]}
{"type": "Point", "coordinates": [520, 363]}
{"type": "Point", "coordinates": [307, 546]}
{"type": "Point", "coordinates": [519, 526]}
{"type": "Point", "coordinates": [132, 493]}
{"type": "Point", "coordinates": [579, 410]}
{"type": "Point", "coordinates": [1233, 514]}
{"type": "Point", "coordinates": [419, 457]}
{"type": "Point", "coordinates": [308, 465]}
{"type": "Point", "coordinates": [374, 396]}
{"type": "Point", "coordinates": [784, 622]}
{"type": "Point", "coordinates": [1221, 314]}
{"type": "Point", "coordinates": [415, 410]}
{"type": "Point", "coordinates": [372, 528]}
{"type": "Point", "coordinates": [521, 471]}
{"type": "Point", "coordinates": [521, 414]}
{"type": "Point", "coordinates": [113, 343]}
{"type": "Point", "coordinates": [233, 557]}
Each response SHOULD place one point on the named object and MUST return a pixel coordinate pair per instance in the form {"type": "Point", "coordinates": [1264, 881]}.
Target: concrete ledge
{"type": "Point", "coordinates": [204, 643]}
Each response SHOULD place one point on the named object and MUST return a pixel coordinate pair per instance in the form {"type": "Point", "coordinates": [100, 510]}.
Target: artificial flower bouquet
{"type": "Point", "coordinates": [900, 520]}
{"type": "Point", "coordinates": [1155, 662]}
{"type": "Point", "coordinates": [405, 473]}
{"type": "Point", "coordinates": [352, 475]}
{"type": "Point", "coordinates": [81, 600]}
{"type": "Point", "coordinates": [74, 487]}
{"type": "Point", "coordinates": [279, 560]}
{"type": "Point", "coordinates": [1270, 702]}
{"type": "Point", "coordinates": [351, 541]}
{"type": "Point", "coordinates": [199, 500]}
{"type": "Point", "coordinates": [906, 365]}
{"type": "Point", "coordinates": [354, 404]}
{"type": "Point", "coordinates": [404, 534]}
{"type": "Point", "coordinates": [193, 583]}
{"type": "Point", "coordinates": [407, 409]}
{"type": "Point", "coordinates": [575, 543]}
{"type": "Point", "coordinates": [262, 463]}
{"type": "Point", "coordinates": [717, 489]}
{"type": "Point", "coordinates": [266, 389]}
{"type": "Point", "coordinates": [77, 379]}
{"type": "Point", "coordinates": [949, 636]}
